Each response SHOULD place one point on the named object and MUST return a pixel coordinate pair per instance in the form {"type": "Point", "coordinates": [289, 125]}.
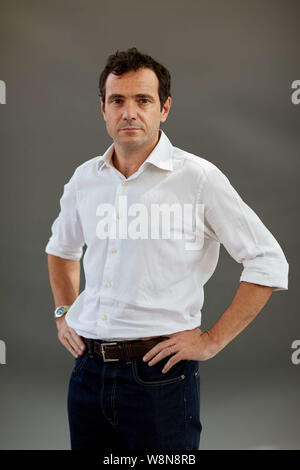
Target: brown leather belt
{"type": "Point", "coordinates": [120, 350]}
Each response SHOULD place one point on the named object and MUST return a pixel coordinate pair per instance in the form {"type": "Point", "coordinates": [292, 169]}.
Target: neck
{"type": "Point", "coordinates": [128, 160]}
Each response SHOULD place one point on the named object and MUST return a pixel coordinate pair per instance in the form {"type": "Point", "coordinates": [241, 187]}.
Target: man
{"type": "Point", "coordinates": [144, 294]}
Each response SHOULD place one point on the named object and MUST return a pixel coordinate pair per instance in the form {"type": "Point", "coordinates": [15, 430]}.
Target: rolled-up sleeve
{"type": "Point", "coordinates": [67, 237]}
{"type": "Point", "coordinates": [235, 225]}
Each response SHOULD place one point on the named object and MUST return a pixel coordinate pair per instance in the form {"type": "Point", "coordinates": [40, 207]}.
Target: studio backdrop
{"type": "Point", "coordinates": [236, 102]}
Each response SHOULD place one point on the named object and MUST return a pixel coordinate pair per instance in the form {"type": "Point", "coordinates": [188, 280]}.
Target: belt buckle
{"type": "Point", "coordinates": [103, 352]}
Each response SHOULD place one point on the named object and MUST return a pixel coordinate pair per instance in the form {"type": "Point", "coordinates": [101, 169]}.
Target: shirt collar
{"type": "Point", "coordinates": [161, 155]}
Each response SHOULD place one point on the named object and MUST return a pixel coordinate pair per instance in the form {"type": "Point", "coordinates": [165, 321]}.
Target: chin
{"type": "Point", "coordinates": [128, 138]}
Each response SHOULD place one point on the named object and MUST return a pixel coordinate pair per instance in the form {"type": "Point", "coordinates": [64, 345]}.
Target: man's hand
{"type": "Point", "coordinates": [196, 345]}
{"type": "Point", "coordinates": [189, 344]}
{"type": "Point", "coordinates": [69, 338]}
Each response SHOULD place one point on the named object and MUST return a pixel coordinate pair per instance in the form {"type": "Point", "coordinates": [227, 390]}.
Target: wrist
{"type": "Point", "coordinates": [213, 346]}
{"type": "Point", "coordinates": [61, 310]}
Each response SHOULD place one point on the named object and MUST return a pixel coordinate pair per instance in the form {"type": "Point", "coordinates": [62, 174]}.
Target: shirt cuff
{"type": "Point", "coordinates": [265, 280]}
{"type": "Point", "coordinates": [64, 253]}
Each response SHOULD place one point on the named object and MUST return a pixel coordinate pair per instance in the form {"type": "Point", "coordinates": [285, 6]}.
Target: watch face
{"type": "Point", "coordinates": [60, 311]}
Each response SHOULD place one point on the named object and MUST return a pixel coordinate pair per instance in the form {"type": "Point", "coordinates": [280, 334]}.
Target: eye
{"type": "Point", "coordinates": [144, 100]}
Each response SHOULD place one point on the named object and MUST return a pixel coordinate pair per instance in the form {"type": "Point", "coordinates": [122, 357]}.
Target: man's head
{"type": "Point", "coordinates": [135, 94]}
{"type": "Point", "coordinates": [132, 59]}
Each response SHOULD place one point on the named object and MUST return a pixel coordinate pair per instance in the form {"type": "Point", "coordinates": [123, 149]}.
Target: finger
{"type": "Point", "coordinates": [77, 339]}
{"type": "Point", "coordinates": [74, 348]}
{"type": "Point", "coordinates": [156, 349]}
{"type": "Point", "coordinates": [67, 345]}
{"type": "Point", "coordinates": [171, 362]}
{"type": "Point", "coordinates": [162, 354]}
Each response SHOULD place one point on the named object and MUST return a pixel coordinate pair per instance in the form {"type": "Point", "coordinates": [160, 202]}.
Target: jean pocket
{"type": "Point", "coordinates": [79, 363]}
{"type": "Point", "coordinates": [152, 375]}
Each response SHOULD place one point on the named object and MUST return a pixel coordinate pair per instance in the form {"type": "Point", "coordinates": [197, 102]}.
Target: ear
{"type": "Point", "coordinates": [166, 108]}
{"type": "Point", "coordinates": [102, 108]}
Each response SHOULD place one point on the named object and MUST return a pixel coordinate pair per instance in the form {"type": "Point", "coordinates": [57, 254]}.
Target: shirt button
{"type": "Point", "coordinates": [124, 183]}
{"type": "Point", "coordinates": [118, 216]}
{"type": "Point", "coordinates": [114, 250]}
{"type": "Point", "coordinates": [108, 284]}
{"type": "Point", "coordinates": [104, 317]}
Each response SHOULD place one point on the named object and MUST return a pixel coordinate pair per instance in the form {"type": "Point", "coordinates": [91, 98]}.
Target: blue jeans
{"type": "Point", "coordinates": [133, 406]}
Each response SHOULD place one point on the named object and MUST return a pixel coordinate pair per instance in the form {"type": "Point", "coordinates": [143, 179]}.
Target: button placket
{"type": "Point", "coordinates": [121, 208]}
{"type": "Point", "coordinates": [120, 211]}
{"type": "Point", "coordinates": [111, 259]}
{"type": "Point", "coordinates": [109, 268]}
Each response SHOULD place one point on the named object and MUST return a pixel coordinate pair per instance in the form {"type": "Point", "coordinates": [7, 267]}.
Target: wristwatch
{"type": "Point", "coordinates": [61, 310]}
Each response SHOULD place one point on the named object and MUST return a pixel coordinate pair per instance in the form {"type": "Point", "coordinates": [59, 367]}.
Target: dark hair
{"type": "Point", "coordinates": [132, 59]}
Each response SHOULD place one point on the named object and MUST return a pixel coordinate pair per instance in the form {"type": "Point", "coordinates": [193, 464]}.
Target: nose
{"type": "Point", "coordinates": [129, 111]}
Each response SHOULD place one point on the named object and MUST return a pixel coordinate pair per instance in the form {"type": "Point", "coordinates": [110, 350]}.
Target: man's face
{"type": "Point", "coordinates": [132, 108]}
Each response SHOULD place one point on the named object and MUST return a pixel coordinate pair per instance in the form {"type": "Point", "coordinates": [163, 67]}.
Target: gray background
{"type": "Point", "coordinates": [232, 65]}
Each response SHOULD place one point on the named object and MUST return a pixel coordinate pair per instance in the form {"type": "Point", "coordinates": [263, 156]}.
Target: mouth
{"type": "Point", "coordinates": [130, 129]}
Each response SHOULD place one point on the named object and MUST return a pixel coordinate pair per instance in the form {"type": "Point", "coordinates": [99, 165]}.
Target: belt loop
{"type": "Point", "coordinates": [90, 347]}
{"type": "Point", "coordinates": [126, 353]}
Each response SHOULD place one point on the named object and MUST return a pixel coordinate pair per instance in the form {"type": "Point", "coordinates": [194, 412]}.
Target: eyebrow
{"type": "Point", "coordinates": [138, 95]}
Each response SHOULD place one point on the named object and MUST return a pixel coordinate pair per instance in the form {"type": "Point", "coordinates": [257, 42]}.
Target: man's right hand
{"type": "Point", "coordinates": [69, 338]}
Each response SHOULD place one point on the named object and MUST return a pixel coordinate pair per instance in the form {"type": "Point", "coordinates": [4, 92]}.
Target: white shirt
{"type": "Point", "coordinates": [150, 287]}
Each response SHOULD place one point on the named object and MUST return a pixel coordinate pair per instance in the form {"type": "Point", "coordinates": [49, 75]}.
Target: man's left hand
{"type": "Point", "coordinates": [189, 344]}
